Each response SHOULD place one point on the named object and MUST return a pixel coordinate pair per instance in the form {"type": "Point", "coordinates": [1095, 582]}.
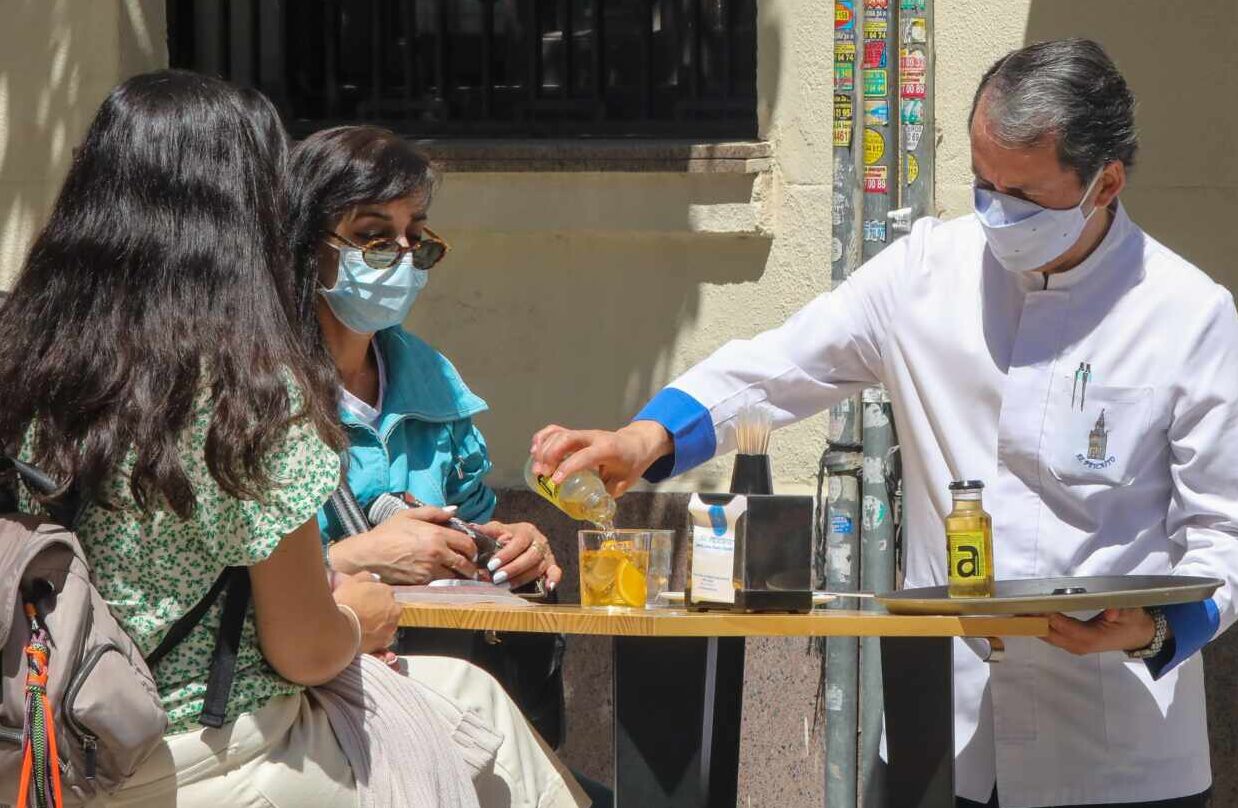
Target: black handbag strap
{"type": "Point", "coordinates": [343, 503]}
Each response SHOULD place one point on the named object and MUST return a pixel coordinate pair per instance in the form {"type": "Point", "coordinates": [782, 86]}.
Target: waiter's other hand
{"type": "Point", "coordinates": [1111, 630]}
{"type": "Point", "coordinates": [619, 458]}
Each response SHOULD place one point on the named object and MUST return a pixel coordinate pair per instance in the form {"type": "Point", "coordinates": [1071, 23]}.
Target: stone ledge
{"type": "Point", "coordinates": [639, 156]}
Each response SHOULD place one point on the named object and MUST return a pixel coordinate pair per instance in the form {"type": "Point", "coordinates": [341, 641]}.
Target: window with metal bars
{"type": "Point", "coordinates": [486, 68]}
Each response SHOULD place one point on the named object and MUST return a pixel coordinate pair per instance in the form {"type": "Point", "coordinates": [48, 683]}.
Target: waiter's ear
{"type": "Point", "coordinates": [1112, 182]}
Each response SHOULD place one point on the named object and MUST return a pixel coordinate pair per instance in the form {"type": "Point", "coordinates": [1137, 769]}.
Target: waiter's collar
{"type": "Point", "coordinates": [1036, 282]}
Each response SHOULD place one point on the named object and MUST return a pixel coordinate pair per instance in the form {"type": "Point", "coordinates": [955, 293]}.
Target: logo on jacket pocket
{"type": "Point", "coordinates": [1098, 456]}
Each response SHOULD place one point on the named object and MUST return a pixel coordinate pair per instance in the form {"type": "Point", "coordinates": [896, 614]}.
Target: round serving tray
{"type": "Point", "coordinates": [1044, 595]}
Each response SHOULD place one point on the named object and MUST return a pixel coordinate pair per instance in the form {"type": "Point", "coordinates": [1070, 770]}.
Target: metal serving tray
{"type": "Point", "coordinates": [1045, 595]}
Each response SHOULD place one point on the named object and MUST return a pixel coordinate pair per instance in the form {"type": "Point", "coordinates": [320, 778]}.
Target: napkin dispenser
{"type": "Point", "coordinates": [750, 553]}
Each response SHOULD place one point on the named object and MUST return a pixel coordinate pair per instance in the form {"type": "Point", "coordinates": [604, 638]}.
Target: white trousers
{"type": "Point", "coordinates": [286, 755]}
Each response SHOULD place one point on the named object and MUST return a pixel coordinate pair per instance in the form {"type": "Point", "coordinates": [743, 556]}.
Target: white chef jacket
{"type": "Point", "coordinates": [1139, 475]}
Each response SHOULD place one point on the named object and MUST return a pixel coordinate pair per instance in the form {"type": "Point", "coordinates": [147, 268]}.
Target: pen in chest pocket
{"type": "Point", "coordinates": [1080, 387]}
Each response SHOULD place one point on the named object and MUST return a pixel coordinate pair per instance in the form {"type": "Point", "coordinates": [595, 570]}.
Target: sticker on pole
{"type": "Point", "coordinates": [874, 147]}
{"type": "Point", "coordinates": [912, 5]}
{"type": "Point", "coordinates": [877, 111]}
{"type": "Point", "coordinates": [913, 111]}
{"type": "Point", "coordinates": [844, 77]}
{"type": "Point", "coordinates": [875, 53]}
{"type": "Point", "coordinates": [913, 169]}
{"type": "Point", "coordinates": [876, 83]}
{"type": "Point", "coordinates": [874, 231]}
{"type": "Point", "coordinates": [911, 136]}
{"type": "Point", "coordinates": [912, 65]}
{"type": "Point", "coordinates": [875, 513]}
{"type": "Point", "coordinates": [913, 90]}
{"type": "Point", "coordinates": [915, 31]}
{"type": "Point", "coordinates": [844, 117]}
{"type": "Point", "coordinates": [844, 15]}
{"type": "Point", "coordinates": [876, 180]}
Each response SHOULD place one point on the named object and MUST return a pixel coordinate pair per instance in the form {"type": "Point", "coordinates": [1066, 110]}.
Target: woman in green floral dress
{"type": "Point", "coordinates": [147, 360]}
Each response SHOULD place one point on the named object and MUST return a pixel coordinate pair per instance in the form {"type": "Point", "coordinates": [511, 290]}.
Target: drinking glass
{"type": "Point", "coordinates": [661, 553]}
{"type": "Point", "coordinates": [614, 567]}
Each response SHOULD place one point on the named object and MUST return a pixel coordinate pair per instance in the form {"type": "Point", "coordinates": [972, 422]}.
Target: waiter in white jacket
{"type": "Point", "coordinates": [1006, 339]}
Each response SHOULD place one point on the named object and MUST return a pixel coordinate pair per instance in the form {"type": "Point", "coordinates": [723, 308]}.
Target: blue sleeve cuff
{"type": "Point", "coordinates": [1194, 625]}
{"type": "Point", "coordinates": [691, 429]}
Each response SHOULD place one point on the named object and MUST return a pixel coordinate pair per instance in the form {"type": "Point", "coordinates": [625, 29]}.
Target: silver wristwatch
{"type": "Point", "coordinates": [1158, 637]}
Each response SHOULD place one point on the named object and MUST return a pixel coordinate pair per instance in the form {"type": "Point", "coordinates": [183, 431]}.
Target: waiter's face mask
{"type": "Point", "coordinates": [1023, 235]}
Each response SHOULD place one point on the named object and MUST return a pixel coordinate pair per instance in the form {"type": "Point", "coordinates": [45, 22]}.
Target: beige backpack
{"type": "Point", "coordinates": [79, 710]}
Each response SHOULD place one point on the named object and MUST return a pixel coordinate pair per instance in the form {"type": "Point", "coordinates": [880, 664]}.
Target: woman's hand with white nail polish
{"type": "Point", "coordinates": [524, 555]}
{"type": "Point", "coordinates": [412, 547]}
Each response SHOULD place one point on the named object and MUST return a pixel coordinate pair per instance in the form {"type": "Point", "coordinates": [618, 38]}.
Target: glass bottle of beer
{"type": "Point", "coordinates": [969, 543]}
{"type": "Point", "coordinates": [582, 496]}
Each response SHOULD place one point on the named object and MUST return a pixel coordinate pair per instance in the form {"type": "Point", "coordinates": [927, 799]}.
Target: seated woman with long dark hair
{"type": "Point", "coordinates": [148, 361]}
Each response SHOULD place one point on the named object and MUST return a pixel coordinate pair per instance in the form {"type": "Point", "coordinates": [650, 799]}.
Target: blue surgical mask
{"type": "Point", "coordinates": [366, 299]}
{"type": "Point", "coordinates": [1023, 235]}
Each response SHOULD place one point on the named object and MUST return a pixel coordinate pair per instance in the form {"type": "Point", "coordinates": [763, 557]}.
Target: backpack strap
{"type": "Point", "coordinates": [227, 644]}
{"type": "Point", "coordinates": [189, 620]}
{"type": "Point", "coordinates": [235, 581]}
{"type": "Point", "coordinates": [67, 510]}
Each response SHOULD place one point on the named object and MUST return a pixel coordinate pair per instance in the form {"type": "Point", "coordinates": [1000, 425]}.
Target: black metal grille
{"type": "Point", "coordinates": [682, 68]}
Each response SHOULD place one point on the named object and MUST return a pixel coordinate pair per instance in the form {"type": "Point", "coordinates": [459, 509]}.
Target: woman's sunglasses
{"type": "Point", "coordinates": [385, 253]}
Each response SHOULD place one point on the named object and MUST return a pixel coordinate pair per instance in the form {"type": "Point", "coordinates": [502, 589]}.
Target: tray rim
{"type": "Point", "coordinates": [1193, 589]}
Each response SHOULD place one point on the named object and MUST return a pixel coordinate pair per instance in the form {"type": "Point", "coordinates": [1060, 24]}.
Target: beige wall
{"type": "Point", "coordinates": [571, 298]}
{"type": "Point", "coordinates": [1181, 63]}
{"type": "Point", "coordinates": [580, 325]}
{"type": "Point", "coordinates": [58, 59]}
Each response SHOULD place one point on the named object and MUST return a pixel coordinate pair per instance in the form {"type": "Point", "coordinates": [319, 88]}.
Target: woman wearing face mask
{"type": "Point", "coordinates": [363, 253]}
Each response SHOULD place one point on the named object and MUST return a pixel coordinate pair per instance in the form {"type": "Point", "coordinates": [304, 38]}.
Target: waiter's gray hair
{"type": "Point", "coordinates": [1068, 89]}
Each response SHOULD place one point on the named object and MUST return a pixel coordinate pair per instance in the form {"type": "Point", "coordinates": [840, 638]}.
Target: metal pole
{"type": "Point", "coordinates": [842, 653]}
{"type": "Point", "coordinates": [876, 575]}
{"type": "Point", "coordinates": [842, 459]}
{"type": "Point", "coordinates": [879, 62]}
{"type": "Point", "coordinates": [916, 60]}
{"type": "Point", "coordinates": [881, 167]}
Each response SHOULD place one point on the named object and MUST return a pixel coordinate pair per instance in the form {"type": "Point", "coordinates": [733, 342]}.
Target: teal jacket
{"type": "Point", "coordinates": [426, 443]}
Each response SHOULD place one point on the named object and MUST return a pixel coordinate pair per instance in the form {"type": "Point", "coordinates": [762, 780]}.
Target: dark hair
{"type": "Point", "coordinates": [163, 272]}
{"type": "Point", "coordinates": [265, 120]}
{"type": "Point", "coordinates": [330, 173]}
{"type": "Point", "coordinates": [1068, 89]}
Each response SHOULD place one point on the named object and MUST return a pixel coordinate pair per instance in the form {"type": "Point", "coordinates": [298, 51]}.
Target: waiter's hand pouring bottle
{"type": "Point", "coordinates": [582, 496]}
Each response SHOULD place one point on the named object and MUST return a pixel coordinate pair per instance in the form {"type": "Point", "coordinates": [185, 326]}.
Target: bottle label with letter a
{"type": "Point", "coordinates": [967, 557]}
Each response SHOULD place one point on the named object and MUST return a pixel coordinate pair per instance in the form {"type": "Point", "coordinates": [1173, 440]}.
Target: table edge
{"type": "Point", "coordinates": [640, 623]}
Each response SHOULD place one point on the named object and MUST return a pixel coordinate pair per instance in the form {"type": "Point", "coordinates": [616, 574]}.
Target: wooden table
{"type": "Point", "coordinates": [678, 685]}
